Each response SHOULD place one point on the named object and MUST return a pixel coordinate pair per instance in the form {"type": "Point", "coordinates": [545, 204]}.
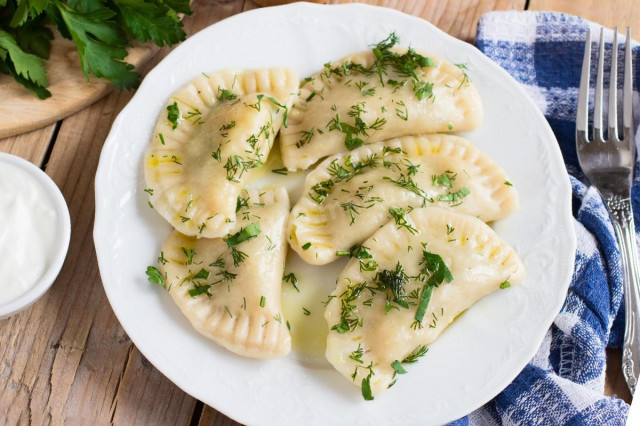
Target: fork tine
{"type": "Point", "coordinates": [582, 119]}
{"type": "Point", "coordinates": [597, 103]}
{"type": "Point", "coordinates": [613, 89]}
{"type": "Point", "coordinates": [627, 106]}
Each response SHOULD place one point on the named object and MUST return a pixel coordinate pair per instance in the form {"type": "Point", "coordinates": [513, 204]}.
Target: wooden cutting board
{"type": "Point", "coordinates": [21, 110]}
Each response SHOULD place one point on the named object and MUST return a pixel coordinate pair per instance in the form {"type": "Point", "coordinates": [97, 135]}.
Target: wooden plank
{"type": "Point", "coordinates": [459, 18]}
{"type": "Point", "coordinates": [31, 146]}
{"type": "Point", "coordinates": [211, 417]}
{"type": "Point", "coordinates": [610, 13]}
{"type": "Point", "coordinates": [614, 380]}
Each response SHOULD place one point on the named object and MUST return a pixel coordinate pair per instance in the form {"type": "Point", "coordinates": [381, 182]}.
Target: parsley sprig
{"type": "Point", "coordinates": [101, 31]}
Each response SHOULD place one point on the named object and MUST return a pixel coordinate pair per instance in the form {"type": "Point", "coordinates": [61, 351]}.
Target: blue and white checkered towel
{"type": "Point", "coordinates": [564, 382]}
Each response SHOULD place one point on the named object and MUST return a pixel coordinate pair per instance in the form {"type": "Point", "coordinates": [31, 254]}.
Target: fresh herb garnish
{"type": "Point", "coordinates": [291, 278]}
{"type": "Point", "coordinates": [417, 353]}
{"type": "Point", "coordinates": [226, 95]}
{"type": "Point", "coordinates": [398, 215]}
{"type": "Point", "coordinates": [189, 253]}
{"type": "Point", "coordinates": [202, 274]}
{"type": "Point", "coordinates": [393, 282]}
{"type": "Point", "coordinates": [435, 271]}
{"type": "Point", "coordinates": [366, 388]}
{"type": "Point", "coordinates": [244, 234]}
{"type": "Point", "coordinates": [199, 289]}
{"type": "Point", "coordinates": [425, 297]}
{"type": "Point", "coordinates": [161, 259]}
{"type": "Point", "coordinates": [398, 368]}
{"type": "Point", "coordinates": [306, 137]}
{"type": "Point", "coordinates": [101, 32]}
{"type": "Point", "coordinates": [155, 277]}
{"type": "Point", "coordinates": [173, 114]}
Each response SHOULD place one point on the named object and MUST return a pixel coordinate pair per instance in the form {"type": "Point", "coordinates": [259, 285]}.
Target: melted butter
{"type": "Point", "coordinates": [264, 177]}
{"type": "Point", "coordinates": [309, 331]}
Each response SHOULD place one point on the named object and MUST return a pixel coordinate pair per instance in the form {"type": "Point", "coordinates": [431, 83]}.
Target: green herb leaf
{"type": "Point", "coordinates": [151, 20]}
{"type": "Point", "coordinates": [100, 42]}
{"type": "Point", "coordinates": [197, 290]}
{"type": "Point", "coordinates": [394, 282]}
{"type": "Point", "coordinates": [173, 115]}
{"type": "Point", "coordinates": [155, 277]}
{"type": "Point", "coordinates": [244, 234]}
{"type": "Point", "coordinates": [26, 68]}
{"type": "Point", "coordinates": [33, 36]}
{"type": "Point", "coordinates": [226, 95]}
{"type": "Point", "coordinates": [425, 297]}
{"type": "Point", "coordinates": [179, 6]}
{"type": "Point", "coordinates": [435, 269]}
{"type": "Point", "coordinates": [398, 368]}
{"type": "Point", "coordinates": [202, 274]}
{"type": "Point", "coordinates": [366, 389]}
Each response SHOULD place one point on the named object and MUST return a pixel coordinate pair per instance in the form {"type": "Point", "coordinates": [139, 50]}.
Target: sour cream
{"type": "Point", "coordinates": [29, 227]}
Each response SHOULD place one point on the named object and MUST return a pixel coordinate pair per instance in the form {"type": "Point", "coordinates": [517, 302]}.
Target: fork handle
{"type": "Point", "coordinates": [622, 217]}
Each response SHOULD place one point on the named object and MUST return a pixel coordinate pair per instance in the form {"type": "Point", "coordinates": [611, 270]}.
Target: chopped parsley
{"type": "Point", "coordinates": [225, 95]}
{"type": "Point", "coordinates": [155, 277]}
{"type": "Point", "coordinates": [173, 115]}
{"type": "Point", "coordinates": [398, 368]}
{"type": "Point", "coordinates": [244, 234]}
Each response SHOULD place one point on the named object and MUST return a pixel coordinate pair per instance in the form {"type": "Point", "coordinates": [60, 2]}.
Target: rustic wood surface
{"type": "Point", "coordinates": [66, 359]}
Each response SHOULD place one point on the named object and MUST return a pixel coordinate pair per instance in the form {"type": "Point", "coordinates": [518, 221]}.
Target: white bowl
{"type": "Point", "coordinates": [63, 236]}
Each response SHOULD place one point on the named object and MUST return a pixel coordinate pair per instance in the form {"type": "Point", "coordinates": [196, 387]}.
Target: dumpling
{"type": "Point", "coordinates": [415, 284]}
{"type": "Point", "coordinates": [350, 195]}
{"type": "Point", "coordinates": [377, 95]}
{"type": "Point", "coordinates": [210, 137]}
{"type": "Point", "coordinates": [229, 288]}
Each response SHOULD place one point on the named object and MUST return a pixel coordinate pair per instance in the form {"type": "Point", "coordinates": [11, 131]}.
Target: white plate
{"type": "Point", "coordinates": [472, 361]}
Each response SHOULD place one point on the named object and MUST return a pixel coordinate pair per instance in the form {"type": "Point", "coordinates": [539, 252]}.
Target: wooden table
{"type": "Point", "coordinates": [66, 359]}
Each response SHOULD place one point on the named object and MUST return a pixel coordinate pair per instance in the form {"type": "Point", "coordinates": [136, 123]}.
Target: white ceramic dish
{"type": "Point", "coordinates": [62, 238]}
{"type": "Point", "coordinates": [471, 362]}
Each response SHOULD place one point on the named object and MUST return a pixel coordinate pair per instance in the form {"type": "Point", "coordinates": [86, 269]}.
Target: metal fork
{"type": "Point", "coordinates": [608, 163]}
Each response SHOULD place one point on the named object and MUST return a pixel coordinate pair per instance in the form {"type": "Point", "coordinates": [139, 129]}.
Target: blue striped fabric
{"type": "Point", "coordinates": [563, 384]}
